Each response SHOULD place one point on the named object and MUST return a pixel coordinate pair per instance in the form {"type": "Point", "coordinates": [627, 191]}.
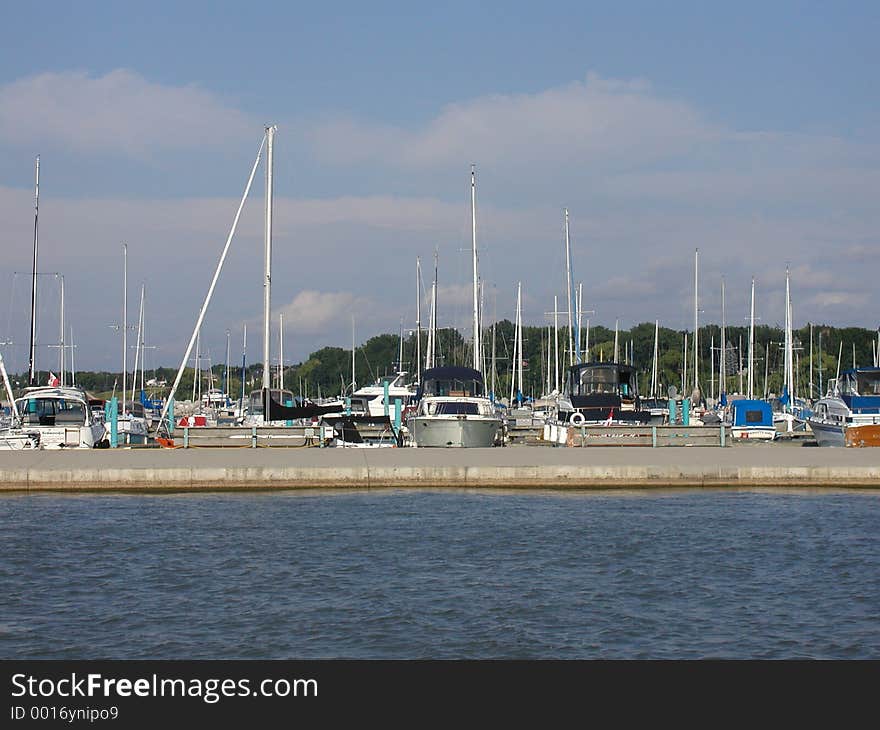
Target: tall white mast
{"type": "Point", "coordinates": [789, 348]}
{"type": "Point", "coordinates": [124, 320]}
{"type": "Point", "coordinates": [519, 330]}
{"type": "Point", "coordinates": [811, 361]}
{"type": "Point", "coordinates": [722, 373]}
{"type": "Point", "coordinates": [210, 293]}
{"type": "Point", "coordinates": [418, 320]}
{"type": "Point", "coordinates": [752, 344]}
{"type": "Point", "coordinates": [568, 285]}
{"type": "Point", "coordinates": [474, 257]}
{"type": "Point", "coordinates": [654, 365]}
{"type": "Point", "coordinates": [137, 350]}
{"type": "Point", "coordinates": [696, 319]}
{"type": "Point", "coordinates": [280, 351]}
{"type": "Point", "coordinates": [616, 349]}
{"type": "Point", "coordinates": [32, 373]}
{"type": "Point", "coordinates": [353, 382]}
{"type": "Point", "coordinates": [61, 339]}
{"type": "Point", "coordinates": [267, 278]}
{"type": "Point", "coordinates": [556, 341]}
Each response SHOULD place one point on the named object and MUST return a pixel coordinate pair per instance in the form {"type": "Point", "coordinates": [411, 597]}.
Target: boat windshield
{"type": "Point", "coordinates": [454, 388]}
{"type": "Point", "coordinates": [49, 411]}
{"type": "Point", "coordinates": [595, 380]}
{"type": "Point", "coordinates": [453, 408]}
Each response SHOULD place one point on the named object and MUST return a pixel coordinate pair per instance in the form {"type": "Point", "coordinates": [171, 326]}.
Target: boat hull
{"type": "Point", "coordinates": [455, 432]}
{"type": "Point", "coordinates": [828, 434]}
{"type": "Point", "coordinates": [754, 433]}
{"type": "Point", "coordinates": [867, 435]}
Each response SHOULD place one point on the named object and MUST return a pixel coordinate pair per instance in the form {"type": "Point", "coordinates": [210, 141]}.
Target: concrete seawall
{"type": "Point", "coordinates": [561, 468]}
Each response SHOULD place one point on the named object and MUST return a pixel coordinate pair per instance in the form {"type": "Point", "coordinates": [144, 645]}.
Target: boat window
{"type": "Point", "coordinates": [451, 408]}
{"type": "Point", "coordinates": [868, 383]}
{"type": "Point", "coordinates": [596, 380]}
{"type": "Point", "coordinates": [754, 416]}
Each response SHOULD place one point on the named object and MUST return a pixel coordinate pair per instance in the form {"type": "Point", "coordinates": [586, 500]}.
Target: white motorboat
{"type": "Point", "coordinates": [452, 411]}
{"type": "Point", "coordinates": [62, 418]}
{"type": "Point", "coordinates": [850, 414]}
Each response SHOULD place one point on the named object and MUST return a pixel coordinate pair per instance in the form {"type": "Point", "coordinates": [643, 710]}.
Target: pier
{"type": "Point", "coordinates": [596, 467]}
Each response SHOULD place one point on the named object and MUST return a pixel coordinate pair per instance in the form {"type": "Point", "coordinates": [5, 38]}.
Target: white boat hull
{"type": "Point", "coordinates": [754, 433]}
{"type": "Point", "coordinates": [455, 431]}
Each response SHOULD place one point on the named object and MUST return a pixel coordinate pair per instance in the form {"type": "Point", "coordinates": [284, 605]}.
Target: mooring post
{"type": "Point", "coordinates": [654, 436]}
{"type": "Point", "coordinates": [385, 396]}
{"type": "Point", "coordinates": [253, 437]}
{"type": "Point", "coordinates": [114, 423]}
{"type": "Point", "coordinates": [186, 437]}
{"type": "Point", "coordinates": [723, 435]}
{"type": "Point", "coordinates": [686, 412]}
{"type": "Point", "coordinates": [171, 417]}
{"type": "Point", "coordinates": [347, 405]}
{"type": "Point", "coordinates": [672, 415]}
{"type": "Point", "coordinates": [398, 407]}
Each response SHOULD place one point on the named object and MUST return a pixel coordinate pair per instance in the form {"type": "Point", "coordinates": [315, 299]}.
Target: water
{"type": "Point", "coordinates": [441, 574]}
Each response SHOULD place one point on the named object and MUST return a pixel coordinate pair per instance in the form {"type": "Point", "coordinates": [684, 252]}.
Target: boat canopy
{"type": "Point", "coordinates": [452, 381]}
{"type": "Point", "coordinates": [603, 378]}
{"type": "Point", "coordinates": [748, 412]}
{"type": "Point", "coordinates": [860, 381]}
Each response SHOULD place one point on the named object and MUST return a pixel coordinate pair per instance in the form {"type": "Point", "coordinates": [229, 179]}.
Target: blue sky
{"type": "Point", "coordinates": [749, 130]}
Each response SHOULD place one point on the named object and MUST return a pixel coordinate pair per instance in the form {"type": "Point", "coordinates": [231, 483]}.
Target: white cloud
{"type": "Point", "coordinates": [120, 111]}
{"type": "Point", "coordinates": [594, 119]}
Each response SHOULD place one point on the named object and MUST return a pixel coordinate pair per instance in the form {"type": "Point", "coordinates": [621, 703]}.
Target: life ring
{"type": "Point", "coordinates": [577, 418]}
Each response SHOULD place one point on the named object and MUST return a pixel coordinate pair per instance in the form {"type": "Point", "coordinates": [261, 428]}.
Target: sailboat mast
{"type": "Point", "coordinates": [519, 335]}
{"type": "Point", "coordinates": [752, 344]}
{"type": "Point", "coordinates": [722, 353]}
{"type": "Point", "coordinates": [267, 277]}
{"type": "Point", "coordinates": [353, 386]}
{"type": "Point", "coordinates": [556, 341]}
{"type": "Point", "coordinates": [281, 351]}
{"type": "Point", "coordinates": [137, 350]}
{"type": "Point", "coordinates": [654, 373]}
{"type": "Point", "coordinates": [418, 320]}
{"type": "Point", "coordinates": [124, 320]}
{"type": "Point", "coordinates": [474, 258]}
{"type": "Point", "coordinates": [32, 374]}
{"type": "Point", "coordinates": [616, 349]}
{"type": "Point", "coordinates": [696, 319]}
{"type": "Point", "coordinates": [61, 339]}
{"type": "Point", "coordinates": [789, 347]}
{"type": "Point", "coordinates": [568, 285]}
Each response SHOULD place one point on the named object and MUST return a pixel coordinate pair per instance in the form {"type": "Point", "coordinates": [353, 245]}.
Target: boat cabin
{"type": "Point", "coordinates": [451, 382]}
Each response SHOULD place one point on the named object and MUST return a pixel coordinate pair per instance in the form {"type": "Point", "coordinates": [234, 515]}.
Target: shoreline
{"type": "Point", "coordinates": [599, 468]}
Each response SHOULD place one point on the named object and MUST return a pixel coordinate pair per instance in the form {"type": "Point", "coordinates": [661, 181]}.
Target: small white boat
{"type": "Point", "coordinates": [752, 420]}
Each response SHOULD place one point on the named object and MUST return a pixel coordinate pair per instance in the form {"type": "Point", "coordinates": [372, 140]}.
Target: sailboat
{"type": "Point", "coordinates": [58, 413]}
{"type": "Point", "coordinates": [453, 409]}
{"type": "Point", "coordinates": [12, 436]}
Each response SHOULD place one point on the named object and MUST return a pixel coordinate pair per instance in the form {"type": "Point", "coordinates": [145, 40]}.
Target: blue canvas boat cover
{"type": "Point", "coordinates": [752, 413]}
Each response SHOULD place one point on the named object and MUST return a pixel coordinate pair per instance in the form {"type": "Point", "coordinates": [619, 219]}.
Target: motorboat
{"type": "Point", "coordinates": [452, 410]}
{"type": "Point", "coordinates": [374, 394]}
{"type": "Point", "coordinates": [601, 393]}
{"type": "Point", "coordinates": [849, 415]}
{"type": "Point", "coordinates": [752, 420]}
{"type": "Point", "coordinates": [62, 417]}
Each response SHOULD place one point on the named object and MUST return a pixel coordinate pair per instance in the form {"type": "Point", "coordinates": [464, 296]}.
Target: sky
{"type": "Point", "coordinates": [749, 131]}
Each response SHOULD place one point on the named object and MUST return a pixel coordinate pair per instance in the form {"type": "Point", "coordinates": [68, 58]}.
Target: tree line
{"type": "Point", "coordinates": [327, 372]}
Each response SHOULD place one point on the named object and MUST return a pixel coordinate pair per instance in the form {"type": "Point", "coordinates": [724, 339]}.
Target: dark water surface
{"type": "Point", "coordinates": [441, 574]}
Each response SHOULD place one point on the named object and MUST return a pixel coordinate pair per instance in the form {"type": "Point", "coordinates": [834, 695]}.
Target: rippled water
{"type": "Point", "coordinates": [441, 574]}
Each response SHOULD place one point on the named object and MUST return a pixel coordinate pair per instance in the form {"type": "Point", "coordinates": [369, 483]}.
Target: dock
{"type": "Point", "coordinates": [596, 467]}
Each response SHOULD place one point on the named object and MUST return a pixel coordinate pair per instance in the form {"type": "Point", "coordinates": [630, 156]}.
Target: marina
{"type": "Point", "coordinates": [599, 467]}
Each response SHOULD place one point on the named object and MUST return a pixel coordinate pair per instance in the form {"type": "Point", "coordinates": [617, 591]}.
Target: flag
{"type": "Point", "coordinates": [610, 418]}
{"type": "Point", "coordinates": [53, 381]}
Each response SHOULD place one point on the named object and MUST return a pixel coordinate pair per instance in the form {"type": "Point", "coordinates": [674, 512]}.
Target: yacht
{"type": "Point", "coordinates": [62, 418]}
{"type": "Point", "coordinates": [601, 393]}
{"type": "Point", "coordinates": [375, 394]}
{"type": "Point", "coordinates": [850, 414]}
{"type": "Point", "coordinates": [452, 410]}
